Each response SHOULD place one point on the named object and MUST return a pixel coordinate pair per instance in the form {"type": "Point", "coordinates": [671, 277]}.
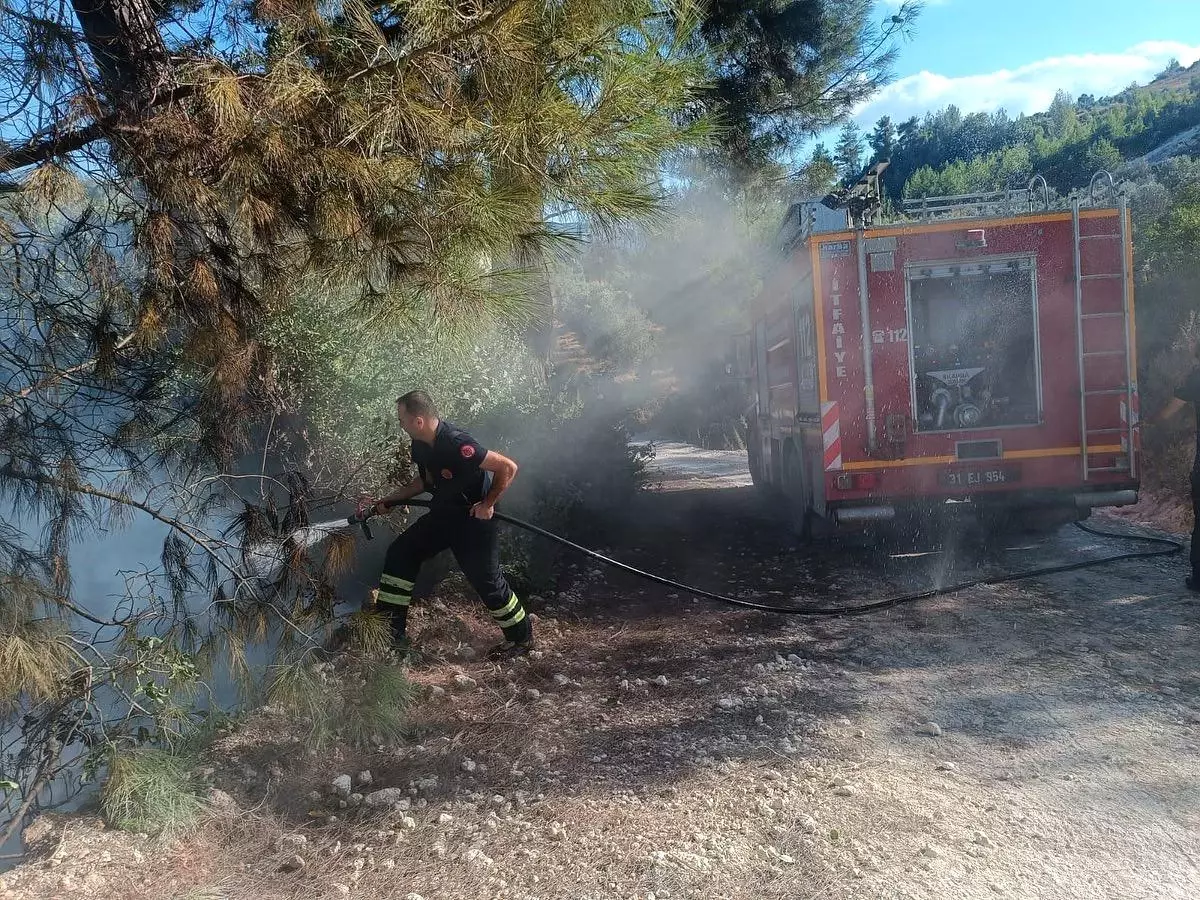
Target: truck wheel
{"type": "Point", "coordinates": [754, 459]}
{"type": "Point", "coordinates": [759, 476]}
{"type": "Point", "coordinates": [796, 496]}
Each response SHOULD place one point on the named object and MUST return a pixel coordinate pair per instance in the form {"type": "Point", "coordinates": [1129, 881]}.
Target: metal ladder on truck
{"type": "Point", "coordinates": [1105, 345]}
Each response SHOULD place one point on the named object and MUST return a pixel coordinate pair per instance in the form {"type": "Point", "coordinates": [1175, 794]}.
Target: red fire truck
{"type": "Point", "coordinates": [978, 356]}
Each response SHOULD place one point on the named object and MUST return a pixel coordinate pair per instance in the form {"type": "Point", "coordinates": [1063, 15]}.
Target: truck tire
{"type": "Point", "coordinates": [754, 459]}
{"type": "Point", "coordinates": [759, 476]}
{"type": "Point", "coordinates": [797, 497]}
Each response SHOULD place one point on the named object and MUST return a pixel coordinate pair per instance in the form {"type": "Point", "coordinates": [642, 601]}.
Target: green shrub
{"type": "Point", "coordinates": [614, 330]}
{"type": "Point", "coordinates": [379, 711]}
{"type": "Point", "coordinates": [151, 791]}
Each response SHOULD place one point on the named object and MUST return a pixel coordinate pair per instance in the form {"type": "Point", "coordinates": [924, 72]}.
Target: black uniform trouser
{"type": "Point", "coordinates": [476, 547]}
{"type": "Point", "coordinates": [1195, 550]}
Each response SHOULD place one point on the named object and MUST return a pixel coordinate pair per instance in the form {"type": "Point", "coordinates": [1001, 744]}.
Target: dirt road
{"type": "Point", "coordinates": [1040, 739]}
{"type": "Point", "coordinates": [1065, 756]}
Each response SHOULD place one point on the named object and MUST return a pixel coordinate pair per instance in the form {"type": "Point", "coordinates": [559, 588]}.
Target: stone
{"type": "Point", "coordinates": [341, 786]}
{"type": "Point", "coordinates": [386, 797]}
{"type": "Point", "coordinates": [476, 857]}
{"type": "Point", "coordinates": [364, 777]}
{"type": "Point", "coordinates": [220, 803]}
{"type": "Point", "coordinates": [465, 682]}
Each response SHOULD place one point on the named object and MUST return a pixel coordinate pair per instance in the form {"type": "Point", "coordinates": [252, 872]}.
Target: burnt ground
{"type": "Point", "coordinates": [1038, 738]}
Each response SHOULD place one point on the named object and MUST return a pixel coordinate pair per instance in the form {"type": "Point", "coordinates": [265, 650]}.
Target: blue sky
{"type": "Point", "coordinates": [983, 55]}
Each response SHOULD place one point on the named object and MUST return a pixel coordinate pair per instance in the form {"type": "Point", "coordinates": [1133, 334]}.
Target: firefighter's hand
{"type": "Point", "coordinates": [482, 511]}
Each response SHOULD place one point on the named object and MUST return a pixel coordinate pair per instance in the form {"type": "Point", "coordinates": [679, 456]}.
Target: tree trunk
{"type": "Point", "coordinates": [128, 49]}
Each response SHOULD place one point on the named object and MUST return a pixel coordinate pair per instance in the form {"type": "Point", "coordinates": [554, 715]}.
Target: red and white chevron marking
{"type": "Point", "coordinates": [831, 428]}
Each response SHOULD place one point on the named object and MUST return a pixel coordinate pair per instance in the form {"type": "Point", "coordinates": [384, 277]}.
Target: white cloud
{"type": "Point", "coordinates": [1029, 88]}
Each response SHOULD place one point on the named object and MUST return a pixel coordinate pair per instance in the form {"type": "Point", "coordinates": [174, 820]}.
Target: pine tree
{"type": "Point", "coordinates": [819, 173]}
{"type": "Point", "coordinates": [883, 139]}
{"type": "Point", "coordinates": [848, 153]}
{"type": "Point", "coordinates": [183, 182]}
{"type": "Point", "coordinates": [781, 72]}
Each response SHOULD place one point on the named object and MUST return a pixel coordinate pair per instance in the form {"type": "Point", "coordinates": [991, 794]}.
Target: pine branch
{"type": "Point", "coordinates": [53, 379]}
{"type": "Point", "coordinates": [52, 751]}
{"type": "Point", "coordinates": [391, 32]}
{"type": "Point", "coordinates": [46, 149]}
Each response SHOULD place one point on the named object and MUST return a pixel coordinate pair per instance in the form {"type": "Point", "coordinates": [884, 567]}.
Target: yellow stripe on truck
{"type": "Point", "coordinates": [945, 460]}
{"type": "Point", "coordinates": [819, 321]}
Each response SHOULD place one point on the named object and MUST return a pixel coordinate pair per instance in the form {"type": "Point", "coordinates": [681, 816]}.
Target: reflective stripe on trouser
{"type": "Point", "coordinates": [395, 591]}
{"type": "Point", "coordinates": [510, 614]}
{"type": "Point", "coordinates": [476, 548]}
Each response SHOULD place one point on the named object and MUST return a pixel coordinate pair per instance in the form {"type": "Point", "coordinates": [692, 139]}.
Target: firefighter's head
{"type": "Point", "coordinates": [417, 414]}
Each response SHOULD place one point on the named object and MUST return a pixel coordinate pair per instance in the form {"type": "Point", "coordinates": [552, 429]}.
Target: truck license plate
{"type": "Point", "coordinates": [995, 475]}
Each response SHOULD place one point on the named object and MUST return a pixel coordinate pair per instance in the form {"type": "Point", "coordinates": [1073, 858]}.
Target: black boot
{"type": "Point", "coordinates": [518, 640]}
{"type": "Point", "coordinates": [405, 651]}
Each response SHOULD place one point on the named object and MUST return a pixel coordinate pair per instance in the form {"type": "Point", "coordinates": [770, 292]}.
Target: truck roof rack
{"type": "Point", "coordinates": [1034, 198]}
{"type": "Point", "coordinates": [971, 206]}
{"type": "Point", "coordinates": [860, 206]}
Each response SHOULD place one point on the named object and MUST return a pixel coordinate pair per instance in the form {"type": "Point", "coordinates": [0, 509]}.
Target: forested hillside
{"type": "Point", "coordinates": [947, 152]}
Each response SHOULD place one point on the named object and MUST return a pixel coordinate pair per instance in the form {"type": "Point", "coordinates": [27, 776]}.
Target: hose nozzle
{"type": "Point", "coordinates": [364, 511]}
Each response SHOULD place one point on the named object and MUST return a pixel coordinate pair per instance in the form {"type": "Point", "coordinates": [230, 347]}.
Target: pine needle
{"type": "Point", "coordinates": [150, 791]}
{"type": "Point", "coordinates": [379, 715]}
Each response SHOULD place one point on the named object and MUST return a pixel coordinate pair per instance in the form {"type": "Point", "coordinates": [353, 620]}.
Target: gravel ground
{"type": "Point", "coordinates": [1035, 739]}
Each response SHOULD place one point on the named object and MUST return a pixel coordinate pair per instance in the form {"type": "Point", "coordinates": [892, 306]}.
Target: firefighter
{"type": "Point", "coordinates": [466, 481]}
{"type": "Point", "coordinates": [1189, 392]}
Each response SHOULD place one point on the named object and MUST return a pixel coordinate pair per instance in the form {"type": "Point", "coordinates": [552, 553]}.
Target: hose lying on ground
{"type": "Point", "coordinates": [1169, 546]}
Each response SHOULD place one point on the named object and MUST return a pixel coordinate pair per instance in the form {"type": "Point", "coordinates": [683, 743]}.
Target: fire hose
{"type": "Point", "coordinates": [1168, 547]}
